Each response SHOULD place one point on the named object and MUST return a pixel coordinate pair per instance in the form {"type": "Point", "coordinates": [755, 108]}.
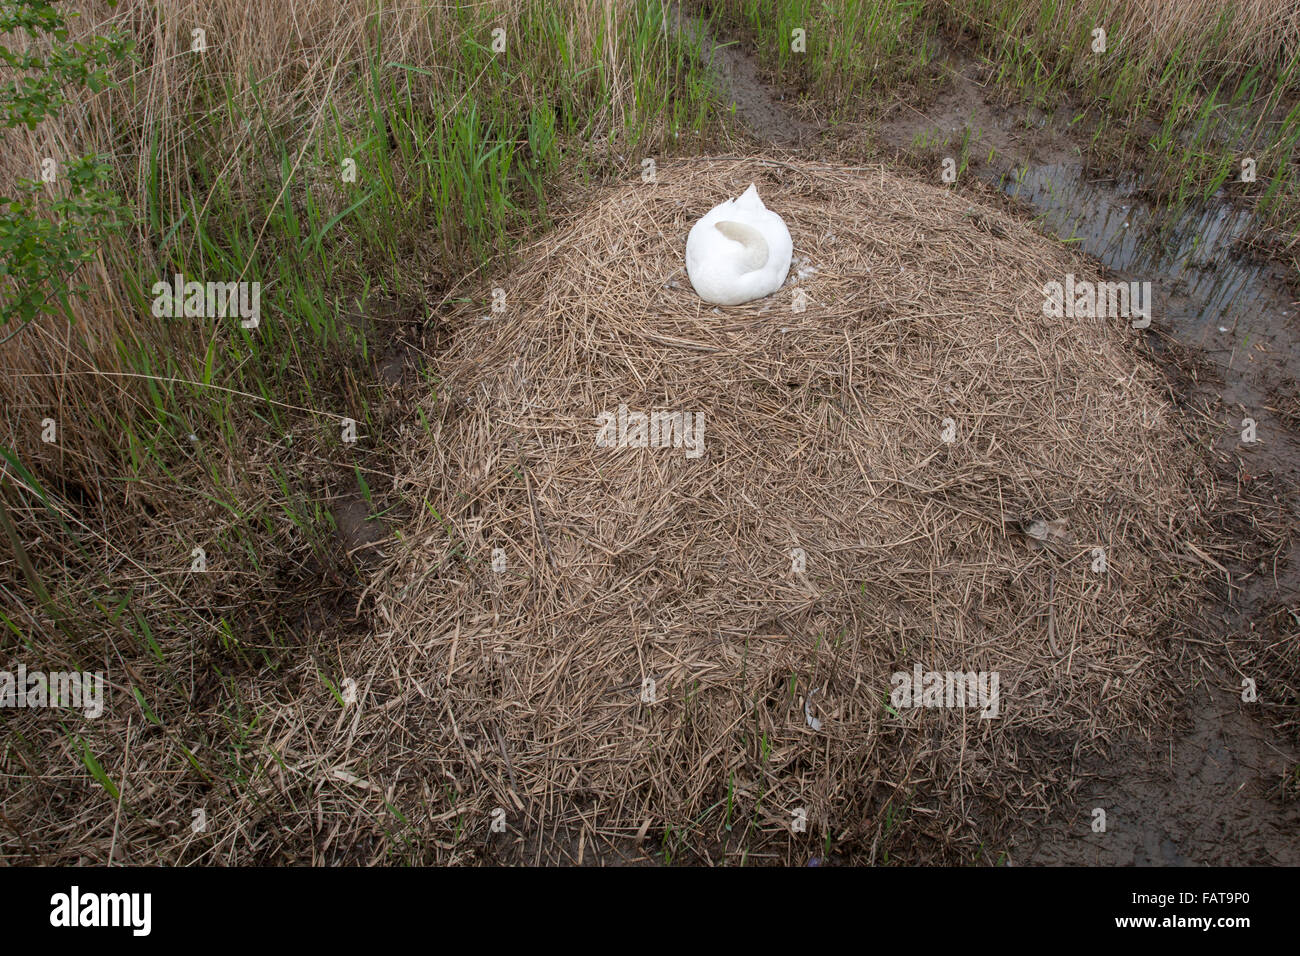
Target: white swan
{"type": "Point", "coordinates": [739, 251]}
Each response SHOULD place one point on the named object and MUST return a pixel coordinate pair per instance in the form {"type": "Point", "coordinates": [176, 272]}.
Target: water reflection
{"type": "Point", "coordinates": [1189, 253]}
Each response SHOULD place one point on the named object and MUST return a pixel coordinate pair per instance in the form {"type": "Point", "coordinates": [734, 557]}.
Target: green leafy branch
{"type": "Point", "coordinates": [43, 240]}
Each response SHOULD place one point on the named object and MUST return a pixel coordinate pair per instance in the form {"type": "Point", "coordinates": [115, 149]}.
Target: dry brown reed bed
{"type": "Point", "coordinates": [524, 688]}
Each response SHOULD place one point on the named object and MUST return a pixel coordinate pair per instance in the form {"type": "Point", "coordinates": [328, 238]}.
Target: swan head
{"type": "Point", "coordinates": [750, 198]}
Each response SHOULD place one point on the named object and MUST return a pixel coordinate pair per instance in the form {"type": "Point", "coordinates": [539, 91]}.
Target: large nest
{"type": "Point", "coordinates": [945, 459]}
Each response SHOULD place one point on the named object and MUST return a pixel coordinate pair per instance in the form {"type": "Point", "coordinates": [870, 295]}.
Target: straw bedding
{"type": "Point", "coordinates": [526, 687]}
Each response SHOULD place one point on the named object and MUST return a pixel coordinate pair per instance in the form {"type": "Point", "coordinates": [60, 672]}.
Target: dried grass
{"type": "Point", "coordinates": [523, 689]}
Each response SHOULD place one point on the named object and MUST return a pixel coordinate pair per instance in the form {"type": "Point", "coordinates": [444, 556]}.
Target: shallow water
{"type": "Point", "coordinates": [1208, 293]}
{"type": "Point", "coordinates": [1197, 250]}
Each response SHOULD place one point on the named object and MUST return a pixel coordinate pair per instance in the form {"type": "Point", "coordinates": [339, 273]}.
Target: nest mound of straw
{"type": "Point", "coordinates": [523, 683]}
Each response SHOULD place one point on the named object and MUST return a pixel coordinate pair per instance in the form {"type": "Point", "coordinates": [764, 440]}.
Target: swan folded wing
{"type": "Point", "coordinates": [755, 252]}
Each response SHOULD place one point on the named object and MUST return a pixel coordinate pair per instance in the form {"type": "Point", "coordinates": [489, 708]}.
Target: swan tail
{"type": "Point", "coordinates": [755, 251]}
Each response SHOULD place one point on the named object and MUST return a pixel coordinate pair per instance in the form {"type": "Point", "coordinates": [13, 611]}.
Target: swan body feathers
{"type": "Point", "coordinates": [738, 251]}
